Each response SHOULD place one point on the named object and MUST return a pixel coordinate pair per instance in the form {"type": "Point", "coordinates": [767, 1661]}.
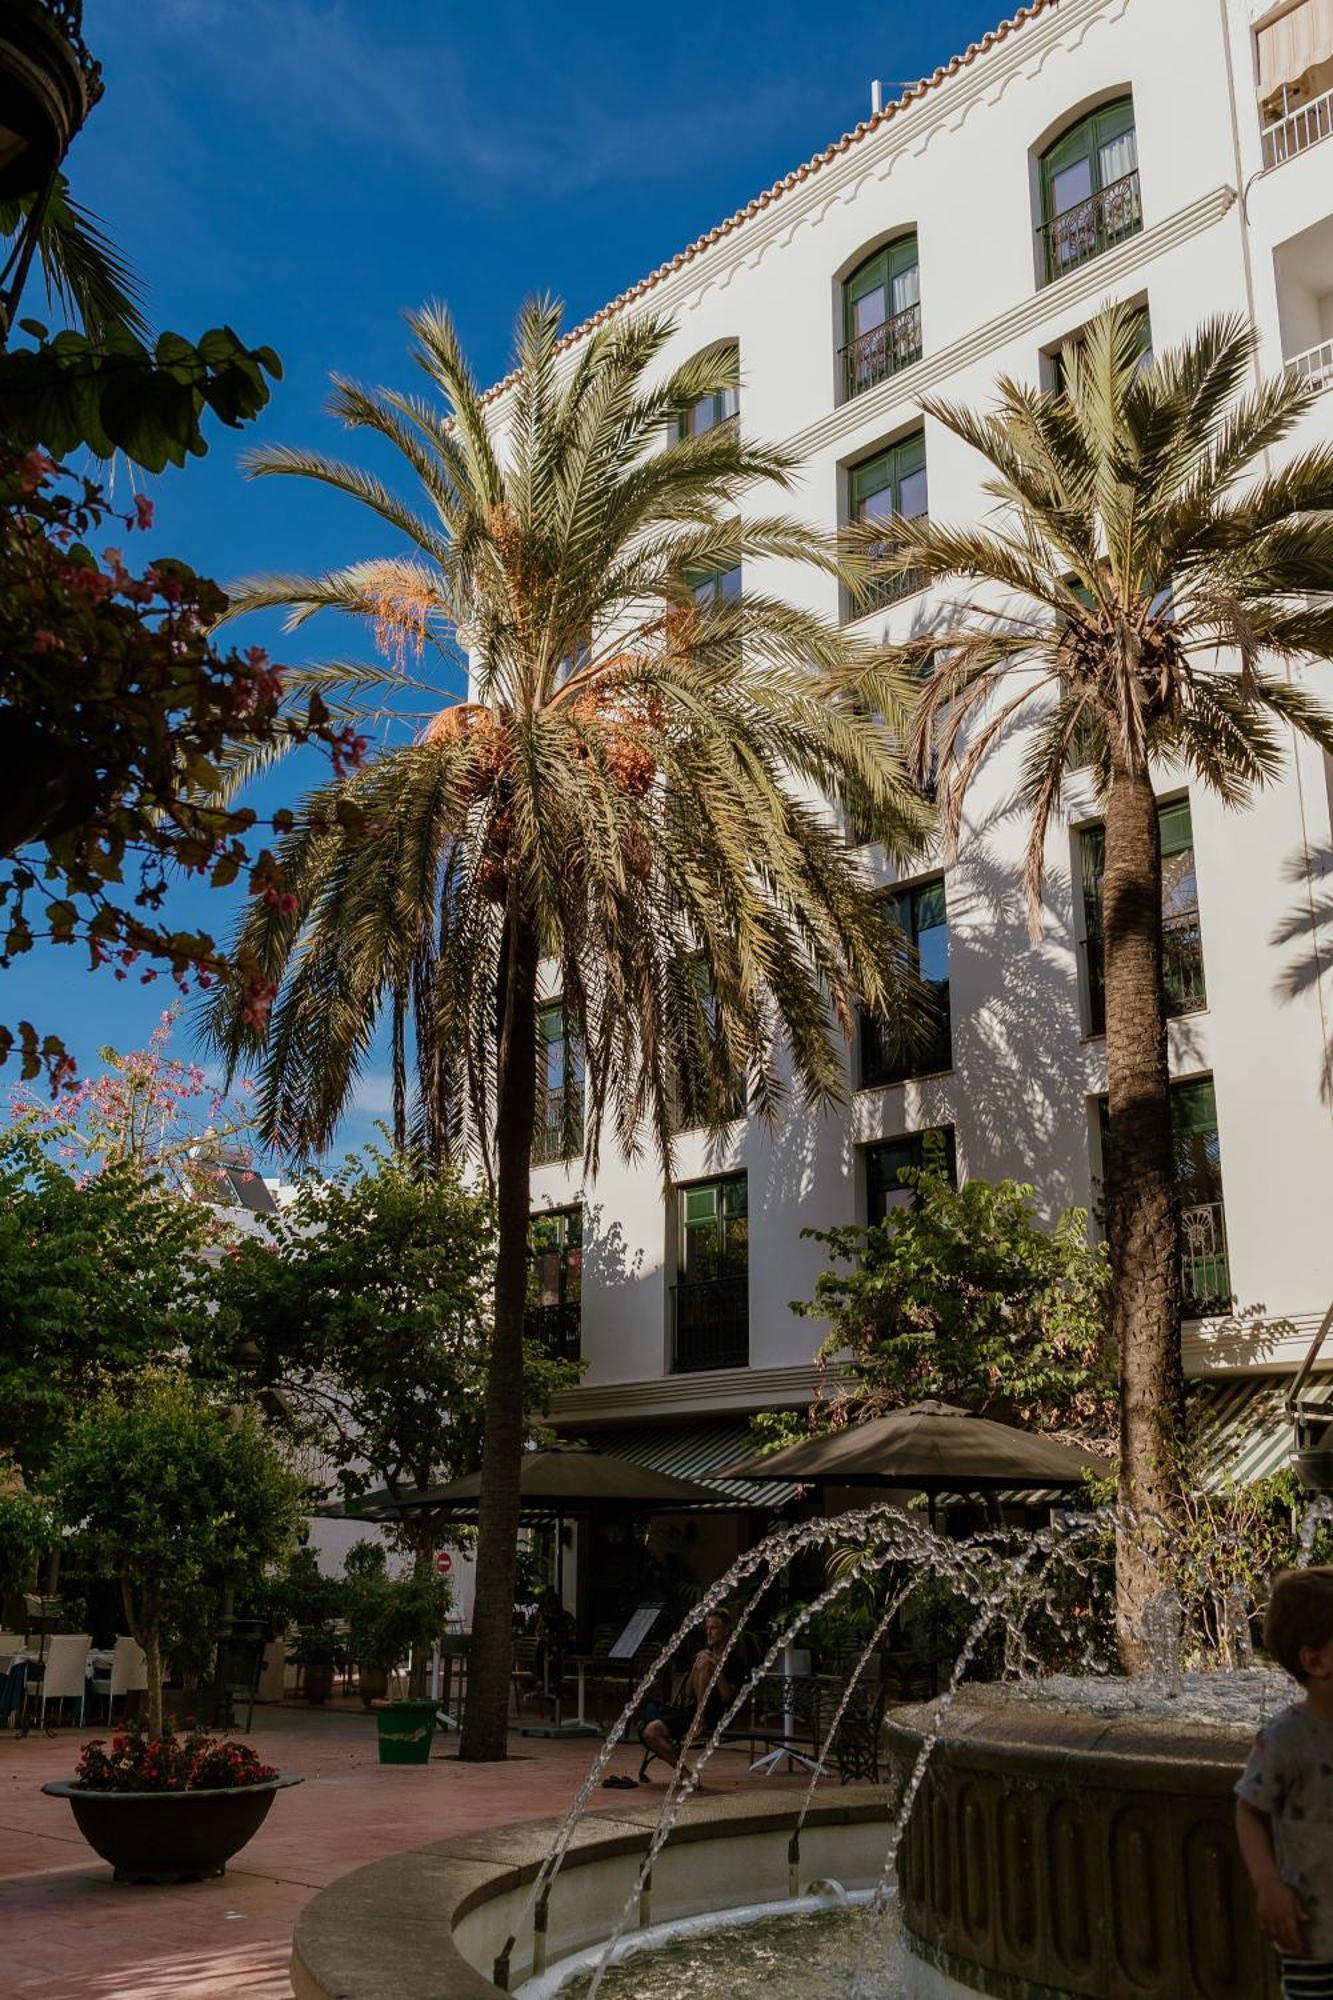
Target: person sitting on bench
{"type": "Point", "coordinates": [701, 1707]}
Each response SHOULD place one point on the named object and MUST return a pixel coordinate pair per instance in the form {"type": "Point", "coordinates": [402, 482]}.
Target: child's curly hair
{"type": "Point", "coordinates": [1300, 1614]}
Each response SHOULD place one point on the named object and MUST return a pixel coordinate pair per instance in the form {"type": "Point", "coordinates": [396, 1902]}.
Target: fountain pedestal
{"type": "Point", "coordinates": [1056, 1853]}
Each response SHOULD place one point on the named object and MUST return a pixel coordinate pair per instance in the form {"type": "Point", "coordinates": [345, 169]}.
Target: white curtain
{"type": "Point", "coordinates": [1295, 42]}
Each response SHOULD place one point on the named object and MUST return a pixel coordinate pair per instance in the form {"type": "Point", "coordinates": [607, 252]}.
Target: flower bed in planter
{"type": "Point", "coordinates": [169, 1809]}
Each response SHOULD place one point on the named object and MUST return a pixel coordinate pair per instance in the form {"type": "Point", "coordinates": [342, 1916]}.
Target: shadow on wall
{"type": "Point", "coordinates": [1308, 924]}
{"type": "Point", "coordinates": [1020, 1062]}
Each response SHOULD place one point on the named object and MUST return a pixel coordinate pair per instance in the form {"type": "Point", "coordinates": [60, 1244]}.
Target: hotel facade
{"type": "Point", "coordinates": [1178, 155]}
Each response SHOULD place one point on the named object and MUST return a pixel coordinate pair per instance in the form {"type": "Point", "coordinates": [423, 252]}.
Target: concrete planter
{"type": "Point", "coordinates": [169, 1836]}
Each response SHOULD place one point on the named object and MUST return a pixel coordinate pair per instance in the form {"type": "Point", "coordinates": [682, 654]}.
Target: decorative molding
{"type": "Point", "coordinates": [896, 400]}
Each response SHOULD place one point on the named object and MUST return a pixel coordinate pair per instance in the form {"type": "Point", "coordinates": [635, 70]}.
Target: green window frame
{"type": "Point", "coordinates": [559, 1129]}
{"type": "Point", "coordinates": [696, 1080]}
{"type": "Point", "coordinates": [1183, 973]}
{"type": "Point", "coordinates": [714, 586]}
{"type": "Point", "coordinates": [708, 412]}
{"type": "Point", "coordinates": [920, 909]}
{"type": "Point", "coordinates": [1056, 361]}
{"type": "Point", "coordinates": [1089, 188]}
{"type": "Point", "coordinates": [1205, 1270]}
{"type": "Point", "coordinates": [887, 1160]}
{"type": "Point", "coordinates": [892, 482]}
{"type": "Point", "coordinates": [881, 315]}
{"type": "Point", "coordinates": [711, 1300]}
{"type": "Point", "coordinates": [555, 1281]}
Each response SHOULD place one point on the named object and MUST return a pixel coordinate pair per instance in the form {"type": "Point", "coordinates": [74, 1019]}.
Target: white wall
{"type": "Point", "coordinates": [960, 166]}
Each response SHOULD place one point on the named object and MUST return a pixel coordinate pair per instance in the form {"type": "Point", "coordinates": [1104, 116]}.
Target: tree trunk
{"type": "Point", "coordinates": [423, 1564]}
{"type": "Point", "coordinates": [146, 1629]}
{"type": "Point", "coordinates": [1142, 1221]}
{"type": "Point", "coordinates": [491, 1656]}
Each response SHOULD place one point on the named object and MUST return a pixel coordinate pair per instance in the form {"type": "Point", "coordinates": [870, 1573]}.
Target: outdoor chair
{"type": "Point", "coordinates": [63, 1674]}
{"type": "Point", "coordinates": [525, 1661]}
{"type": "Point", "coordinates": [126, 1674]}
{"type": "Point", "coordinates": [791, 1712]}
{"type": "Point", "coordinates": [855, 1747]}
{"type": "Point", "coordinates": [241, 1665]}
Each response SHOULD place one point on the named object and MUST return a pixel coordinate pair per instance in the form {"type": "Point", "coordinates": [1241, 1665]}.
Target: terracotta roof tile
{"type": "Point", "coordinates": [910, 96]}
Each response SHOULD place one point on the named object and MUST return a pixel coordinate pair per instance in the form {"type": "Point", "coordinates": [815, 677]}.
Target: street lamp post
{"type": "Point", "coordinates": [48, 84]}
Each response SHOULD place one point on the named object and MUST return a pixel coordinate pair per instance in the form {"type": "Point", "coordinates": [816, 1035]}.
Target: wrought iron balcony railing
{"type": "Point", "coordinates": [886, 349]}
{"type": "Point", "coordinates": [559, 1131]}
{"type": "Point", "coordinates": [1205, 1274]}
{"type": "Point", "coordinates": [1299, 129]}
{"type": "Point", "coordinates": [1083, 232]}
{"type": "Point", "coordinates": [885, 1062]}
{"type": "Point", "coordinates": [556, 1329]}
{"type": "Point", "coordinates": [882, 590]}
{"type": "Point", "coordinates": [1314, 368]}
{"type": "Point", "coordinates": [1182, 969]}
{"type": "Point", "coordinates": [710, 1323]}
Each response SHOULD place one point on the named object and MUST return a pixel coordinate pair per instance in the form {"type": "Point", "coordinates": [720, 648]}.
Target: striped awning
{"type": "Point", "coordinates": [697, 1451]}
{"type": "Point", "coordinates": [1242, 1427]}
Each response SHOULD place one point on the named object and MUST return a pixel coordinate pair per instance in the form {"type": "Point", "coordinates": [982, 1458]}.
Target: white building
{"type": "Point", "coordinates": [1176, 153]}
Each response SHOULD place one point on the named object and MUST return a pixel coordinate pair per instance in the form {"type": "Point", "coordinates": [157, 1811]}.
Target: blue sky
{"type": "Point", "coordinates": [308, 170]}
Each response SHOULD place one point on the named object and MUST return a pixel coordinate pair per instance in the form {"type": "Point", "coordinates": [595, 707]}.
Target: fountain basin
{"type": "Point", "coordinates": [430, 1924]}
{"type": "Point", "coordinates": [1058, 1852]}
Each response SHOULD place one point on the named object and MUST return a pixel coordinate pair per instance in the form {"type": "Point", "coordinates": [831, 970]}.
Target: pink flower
{"type": "Point", "coordinates": [143, 511]}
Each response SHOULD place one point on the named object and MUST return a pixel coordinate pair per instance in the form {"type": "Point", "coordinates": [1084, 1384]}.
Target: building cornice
{"type": "Point", "coordinates": [906, 126]}
{"type": "Point", "coordinates": [714, 1393]}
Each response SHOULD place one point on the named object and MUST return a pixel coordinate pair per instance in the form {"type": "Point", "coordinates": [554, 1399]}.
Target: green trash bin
{"type": "Point", "coordinates": [406, 1729]}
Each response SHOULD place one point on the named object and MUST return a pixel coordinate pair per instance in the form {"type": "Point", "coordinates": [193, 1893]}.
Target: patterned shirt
{"type": "Point", "coordinates": [1290, 1777]}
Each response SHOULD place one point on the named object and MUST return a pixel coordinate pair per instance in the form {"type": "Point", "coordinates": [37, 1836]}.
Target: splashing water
{"type": "Point", "coordinates": [1009, 1579]}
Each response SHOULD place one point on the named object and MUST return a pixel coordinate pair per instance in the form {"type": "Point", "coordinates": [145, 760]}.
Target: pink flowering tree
{"type": "Point", "coordinates": [150, 1109]}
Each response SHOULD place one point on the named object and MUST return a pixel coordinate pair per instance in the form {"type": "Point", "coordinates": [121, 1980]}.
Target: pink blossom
{"type": "Point", "coordinates": [143, 511]}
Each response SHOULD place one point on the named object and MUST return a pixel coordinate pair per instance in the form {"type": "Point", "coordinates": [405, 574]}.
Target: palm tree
{"type": "Point", "coordinates": [1151, 592]}
{"type": "Point", "coordinates": [634, 791]}
{"type": "Point", "coordinates": [83, 271]}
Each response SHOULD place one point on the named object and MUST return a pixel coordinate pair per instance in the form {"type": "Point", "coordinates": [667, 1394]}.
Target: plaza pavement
{"type": "Point", "coordinates": [71, 1933]}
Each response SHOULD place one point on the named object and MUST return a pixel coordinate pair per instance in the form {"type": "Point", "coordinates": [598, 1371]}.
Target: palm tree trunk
{"type": "Point", "coordinates": [491, 1657]}
{"type": "Point", "coordinates": [1143, 1227]}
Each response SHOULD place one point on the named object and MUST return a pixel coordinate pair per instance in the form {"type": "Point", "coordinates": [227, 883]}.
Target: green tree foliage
{"type": "Point", "coordinates": [635, 788]}
{"type": "Point", "coordinates": [964, 1296]}
{"type": "Point", "coordinates": [98, 1279]}
{"type": "Point", "coordinates": [115, 708]}
{"type": "Point", "coordinates": [25, 1530]}
{"type": "Point", "coordinates": [173, 1496]}
{"type": "Point", "coordinates": [369, 1298]}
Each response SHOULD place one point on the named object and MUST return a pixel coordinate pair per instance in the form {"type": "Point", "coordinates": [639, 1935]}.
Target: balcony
{"type": "Point", "coordinates": [1314, 368]}
{"type": "Point", "coordinates": [1182, 969]}
{"type": "Point", "coordinates": [883, 351]}
{"type": "Point", "coordinates": [559, 1132]}
{"type": "Point", "coordinates": [710, 1324]}
{"type": "Point", "coordinates": [556, 1329]}
{"type": "Point", "coordinates": [1205, 1275]}
{"type": "Point", "coordinates": [1083, 232]}
{"type": "Point", "coordinates": [1298, 129]}
{"type": "Point", "coordinates": [884, 590]}
{"type": "Point", "coordinates": [884, 1062]}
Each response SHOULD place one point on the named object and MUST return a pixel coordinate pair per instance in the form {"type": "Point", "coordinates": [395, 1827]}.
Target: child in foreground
{"type": "Point", "coordinates": [1284, 1811]}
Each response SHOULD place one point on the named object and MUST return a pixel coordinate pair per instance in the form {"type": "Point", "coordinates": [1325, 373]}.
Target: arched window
{"type": "Point", "coordinates": [881, 310]}
{"type": "Point", "coordinates": [1090, 189]}
{"type": "Point", "coordinates": [722, 407]}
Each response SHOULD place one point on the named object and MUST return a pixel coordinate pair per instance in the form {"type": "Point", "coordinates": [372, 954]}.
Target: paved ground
{"type": "Point", "coordinates": [71, 1933]}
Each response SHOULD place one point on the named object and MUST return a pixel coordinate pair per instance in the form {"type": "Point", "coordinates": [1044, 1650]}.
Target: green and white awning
{"type": "Point", "coordinates": [698, 1451]}
{"type": "Point", "coordinates": [1242, 1427]}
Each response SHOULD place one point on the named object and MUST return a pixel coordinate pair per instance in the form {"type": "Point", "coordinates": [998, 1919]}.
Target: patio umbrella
{"type": "Point", "coordinates": [559, 1482]}
{"type": "Point", "coordinates": [929, 1448]}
